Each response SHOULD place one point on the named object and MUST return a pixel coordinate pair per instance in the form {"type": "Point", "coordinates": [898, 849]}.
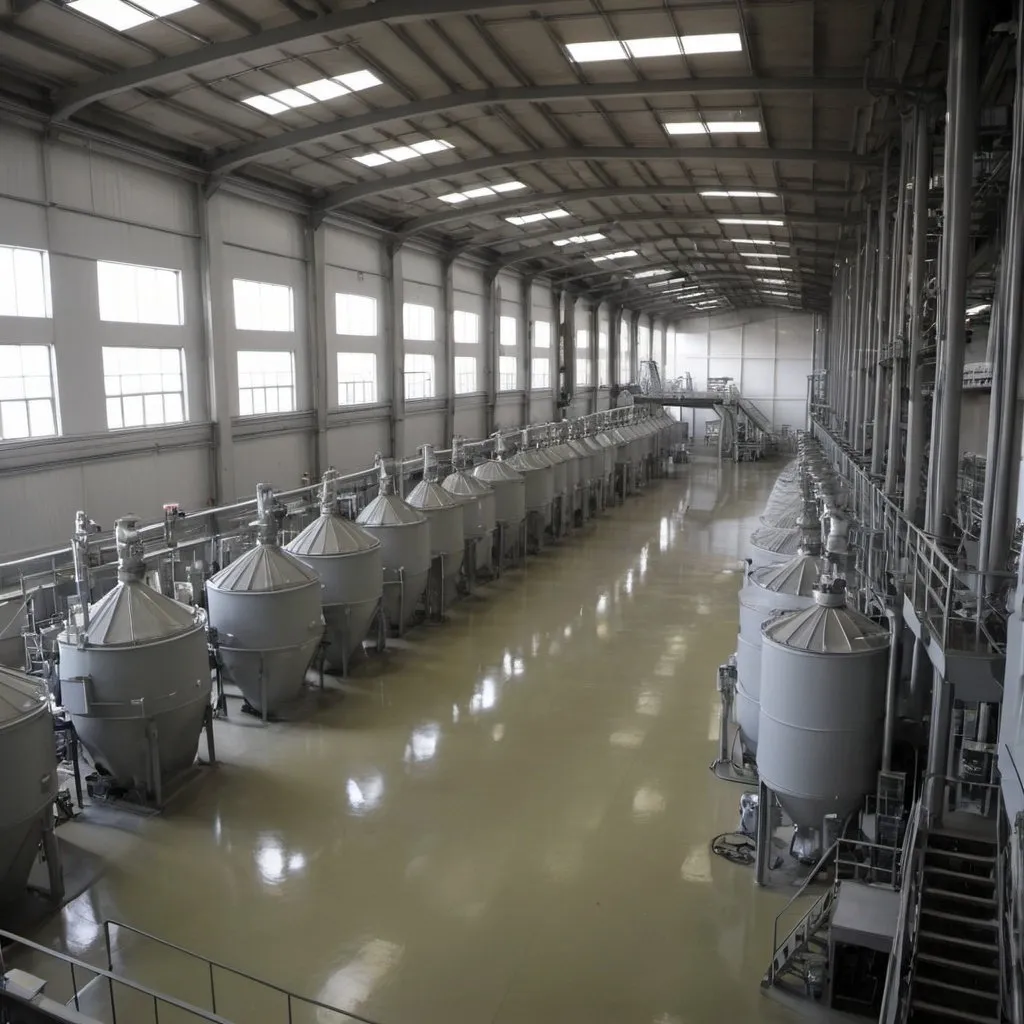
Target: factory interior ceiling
{"type": "Point", "coordinates": [620, 147]}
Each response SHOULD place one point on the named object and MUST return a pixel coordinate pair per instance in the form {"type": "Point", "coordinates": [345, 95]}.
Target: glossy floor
{"type": "Point", "coordinates": [506, 820]}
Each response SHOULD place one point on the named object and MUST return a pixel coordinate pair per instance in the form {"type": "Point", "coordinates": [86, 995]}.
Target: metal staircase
{"type": "Point", "coordinates": [956, 967]}
{"type": "Point", "coordinates": [755, 415]}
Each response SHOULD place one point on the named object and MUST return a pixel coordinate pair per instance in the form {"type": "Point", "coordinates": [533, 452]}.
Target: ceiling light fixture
{"type": "Point", "coordinates": [758, 241]}
{"type": "Point", "coordinates": [737, 193]}
{"type": "Point", "coordinates": [534, 218]}
{"type": "Point", "coordinates": [654, 46]}
{"type": "Point", "coordinates": [759, 221]}
{"type": "Point", "coordinates": [579, 239]}
{"type": "Point", "coordinates": [122, 16]}
{"type": "Point", "coordinates": [317, 91]}
{"type": "Point", "coordinates": [399, 154]}
{"type": "Point", "coordinates": [711, 127]}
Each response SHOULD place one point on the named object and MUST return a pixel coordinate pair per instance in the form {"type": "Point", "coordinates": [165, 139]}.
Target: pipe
{"type": "Point", "coordinates": [882, 318]}
{"type": "Point", "coordinates": [895, 617]}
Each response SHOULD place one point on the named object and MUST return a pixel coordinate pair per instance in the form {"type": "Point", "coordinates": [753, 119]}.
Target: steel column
{"type": "Point", "coordinates": [394, 344]}
{"type": "Point", "coordinates": [448, 344]}
{"type": "Point", "coordinates": [882, 319]}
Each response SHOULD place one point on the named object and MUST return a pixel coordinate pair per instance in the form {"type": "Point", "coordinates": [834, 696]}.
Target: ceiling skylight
{"type": "Point", "coordinates": [533, 218]}
{"type": "Point", "coordinates": [580, 239]}
{"type": "Point", "coordinates": [398, 154]}
{"type": "Point", "coordinates": [785, 295]}
{"type": "Point", "coordinates": [622, 254]}
{"type": "Point", "coordinates": [710, 127]}
{"type": "Point", "coordinates": [765, 256]}
{"type": "Point", "coordinates": [317, 91]}
{"type": "Point", "coordinates": [756, 241]}
{"type": "Point", "coordinates": [654, 46]}
{"type": "Point", "coordinates": [123, 16]}
{"type": "Point", "coordinates": [481, 191]}
{"type": "Point", "coordinates": [737, 193]}
{"type": "Point", "coordinates": [771, 280]}
{"type": "Point", "coordinates": [760, 222]}
{"type": "Point", "coordinates": [640, 275]}
{"type": "Point", "coordinates": [774, 270]}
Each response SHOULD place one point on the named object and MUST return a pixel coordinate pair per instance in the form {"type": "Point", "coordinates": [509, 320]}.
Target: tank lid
{"type": "Point", "coordinates": [133, 613]}
{"type": "Point", "coordinates": [827, 627]}
{"type": "Point", "coordinates": [494, 470]}
{"type": "Point", "coordinates": [389, 510]}
{"type": "Point", "coordinates": [261, 569]}
{"type": "Point", "coordinates": [798, 577]}
{"type": "Point", "coordinates": [21, 696]}
{"type": "Point", "coordinates": [464, 485]}
{"type": "Point", "coordinates": [332, 535]}
{"type": "Point", "coordinates": [781, 539]}
{"type": "Point", "coordinates": [430, 495]}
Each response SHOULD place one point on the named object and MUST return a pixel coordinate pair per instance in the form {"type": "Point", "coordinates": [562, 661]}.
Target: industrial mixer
{"type": "Point", "coordinates": [447, 530]}
{"type": "Point", "coordinates": [479, 509]}
{"type": "Point", "coordinates": [509, 487]}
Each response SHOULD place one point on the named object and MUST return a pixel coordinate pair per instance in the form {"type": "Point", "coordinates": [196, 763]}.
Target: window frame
{"type": "Point", "coordinates": [458, 384]}
{"type": "Point", "coordinates": [253, 388]}
{"type": "Point", "coordinates": [368, 385]}
{"type": "Point", "coordinates": [126, 388]}
{"type": "Point", "coordinates": [43, 283]}
{"type": "Point", "coordinates": [262, 329]}
{"type": "Point", "coordinates": [408, 309]}
{"type": "Point", "coordinates": [25, 399]}
{"type": "Point", "coordinates": [504, 375]}
{"type": "Point", "coordinates": [119, 297]}
{"type": "Point", "coordinates": [341, 298]}
{"type": "Point", "coordinates": [431, 377]}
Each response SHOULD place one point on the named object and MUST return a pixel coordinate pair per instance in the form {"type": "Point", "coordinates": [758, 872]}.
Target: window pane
{"type": "Point", "coordinates": [154, 409]}
{"type": "Point", "coordinates": [40, 418]}
{"type": "Point", "coordinates": [286, 399]}
{"type": "Point", "coordinates": [582, 338]}
{"type": "Point", "coordinates": [259, 401]}
{"type": "Point", "coordinates": [173, 410]}
{"type": "Point", "coordinates": [418, 322]}
{"type": "Point", "coordinates": [356, 314]}
{"type": "Point", "coordinates": [507, 330]}
{"type": "Point", "coordinates": [24, 282]}
{"type": "Point", "coordinates": [139, 295]}
{"type": "Point", "coordinates": [37, 387]}
{"type": "Point", "coordinates": [134, 413]}
{"type": "Point", "coordinates": [12, 387]}
{"type": "Point", "coordinates": [272, 400]}
{"type": "Point", "coordinates": [114, 421]}
{"type": "Point", "coordinates": [13, 420]}
{"type": "Point", "coordinates": [467, 327]}
{"type": "Point", "coordinates": [245, 403]}
{"type": "Point", "coordinates": [542, 334]}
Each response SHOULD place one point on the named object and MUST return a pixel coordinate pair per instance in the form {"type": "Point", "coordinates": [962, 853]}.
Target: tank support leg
{"type": "Point", "coordinates": [54, 867]}
{"type": "Point", "coordinates": [763, 850]}
{"type": "Point", "coordinates": [155, 783]}
{"type": "Point", "coordinates": [211, 747]}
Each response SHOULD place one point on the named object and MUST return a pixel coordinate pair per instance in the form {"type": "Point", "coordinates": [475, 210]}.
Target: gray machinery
{"type": "Point", "coordinates": [823, 679]}
{"type": "Point", "coordinates": [539, 474]}
{"type": "Point", "coordinates": [599, 470]}
{"type": "Point", "coordinates": [788, 587]}
{"type": "Point", "coordinates": [447, 529]}
{"type": "Point", "coordinates": [610, 448]}
{"type": "Point", "coordinates": [587, 463]}
{"type": "Point", "coordinates": [479, 507]}
{"type": "Point", "coordinates": [404, 534]}
{"type": "Point", "coordinates": [509, 487]}
{"type": "Point", "coordinates": [28, 767]}
{"type": "Point", "coordinates": [573, 473]}
{"type": "Point", "coordinates": [771, 545]}
{"type": "Point", "coordinates": [561, 460]}
{"type": "Point", "coordinates": [347, 561]}
{"type": "Point", "coordinates": [623, 458]}
{"type": "Point", "coordinates": [265, 607]}
{"type": "Point", "coordinates": [134, 672]}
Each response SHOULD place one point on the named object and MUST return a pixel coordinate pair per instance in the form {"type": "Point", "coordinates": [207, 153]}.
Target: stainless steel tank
{"type": "Point", "coordinates": [266, 609]}
{"type": "Point", "coordinates": [772, 588]}
{"type": "Point", "coordinates": [447, 528]}
{"type": "Point", "coordinates": [770, 545]}
{"type": "Point", "coordinates": [404, 534]}
{"type": "Point", "coordinates": [347, 561]}
{"type": "Point", "coordinates": [823, 674]}
{"type": "Point", "coordinates": [135, 673]}
{"type": "Point", "coordinates": [28, 767]}
{"type": "Point", "coordinates": [509, 486]}
{"type": "Point", "coordinates": [540, 478]}
{"type": "Point", "coordinates": [479, 509]}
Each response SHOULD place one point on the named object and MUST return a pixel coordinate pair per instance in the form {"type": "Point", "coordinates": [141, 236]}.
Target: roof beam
{"type": "Point", "coordinates": [232, 158]}
{"type": "Point", "coordinates": [517, 201]}
{"type": "Point", "coordinates": [750, 154]}
{"type": "Point", "coordinates": [70, 101]}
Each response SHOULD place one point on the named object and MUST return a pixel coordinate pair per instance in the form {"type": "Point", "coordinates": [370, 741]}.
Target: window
{"type": "Point", "coordinates": [508, 373]}
{"type": "Point", "coordinates": [417, 322]}
{"type": "Point", "coordinates": [465, 374]}
{"type": "Point", "coordinates": [507, 330]}
{"type": "Point", "coordinates": [26, 392]}
{"type": "Point", "coordinates": [357, 378]}
{"type": "Point", "coordinates": [625, 363]}
{"type": "Point", "coordinates": [673, 366]}
{"type": "Point", "coordinates": [658, 353]}
{"type": "Point", "coordinates": [541, 334]}
{"type": "Point", "coordinates": [602, 359]}
{"type": "Point", "coordinates": [467, 328]}
{"type": "Point", "coordinates": [582, 338]}
{"type": "Point", "coordinates": [144, 386]}
{"type": "Point", "coordinates": [643, 342]}
{"type": "Point", "coordinates": [24, 282]}
{"type": "Point", "coordinates": [419, 373]}
{"type": "Point", "coordinates": [355, 315]}
{"type": "Point", "coordinates": [261, 306]}
{"type": "Point", "coordinates": [130, 294]}
{"type": "Point", "coordinates": [266, 383]}
{"type": "Point", "coordinates": [583, 378]}
{"type": "Point", "coordinates": [540, 373]}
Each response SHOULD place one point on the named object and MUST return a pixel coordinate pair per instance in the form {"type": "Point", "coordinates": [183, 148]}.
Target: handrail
{"type": "Point", "coordinates": [111, 978]}
{"type": "Point", "coordinates": [812, 875]}
{"type": "Point", "coordinates": [290, 997]}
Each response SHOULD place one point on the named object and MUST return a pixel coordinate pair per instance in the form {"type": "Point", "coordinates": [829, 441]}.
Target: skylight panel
{"type": "Point", "coordinates": [774, 270]}
{"type": "Point", "coordinates": [653, 46]}
{"type": "Point", "coordinates": [737, 193]}
{"type": "Point", "coordinates": [712, 42]}
{"type": "Point", "coordinates": [710, 127]}
{"type": "Point", "coordinates": [481, 191]}
{"type": "Point", "coordinates": [753, 221]}
{"type": "Point", "coordinates": [266, 104]}
{"type": "Point", "coordinates": [771, 280]}
{"type": "Point", "coordinates": [607, 49]}
{"type": "Point", "coordinates": [122, 16]}
{"type": "Point", "coordinates": [622, 254]}
{"type": "Point", "coordinates": [735, 127]}
{"type": "Point", "coordinates": [371, 159]}
{"type": "Point", "coordinates": [323, 89]}
{"type": "Point", "coordinates": [579, 239]}
{"type": "Point", "coordinates": [764, 256]}
{"type": "Point", "coordinates": [642, 274]}
{"type": "Point", "coordinates": [356, 81]}
{"type": "Point", "coordinates": [533, 218]}
{"type": "Point", "coordinates": [429, 146]}
{"type": "Point", "coordinates": [508, 186]}
{"type": "Point", "coordinates": [399, 154]}
{"type": "Point", "coordinates": [292, 98]}
{"type": "Point", "coordinates": [454, 197]}
{"type": "Point", "coordinates": [982, 307]}
{"type": "Point", "coordinates": [478, 193]}
{"type": "Point", "coordinates": [757, 241]}
{"type": "Point", "coordinates": [318, 90]}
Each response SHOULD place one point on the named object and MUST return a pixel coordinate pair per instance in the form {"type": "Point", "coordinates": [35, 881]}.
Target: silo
{"type": "Point", "coordinates": [28, 767]}
{"type": "Point", "coordinates": [135, 674]}
{"type": "Point", "coordinates": [479, 508]}
{"type": "Point", "coordinates": [404, 534]}
{"type": "Point", "coordinates": [447, 529]}
{"type": "Point", "coordinates": [347, 561]}
{"type": "Point", "coordinates": [265, 607]}
{"type": "Point", "coordinates": [509, 487]}
{"type": "Point", "coordinates": [823, 676]}
{"type": "Point", "coordinates": [787, 587]}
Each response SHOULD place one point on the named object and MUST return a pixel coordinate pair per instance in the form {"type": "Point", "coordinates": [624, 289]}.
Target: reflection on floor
{"type": "Point", "coordinates": [506, 819]}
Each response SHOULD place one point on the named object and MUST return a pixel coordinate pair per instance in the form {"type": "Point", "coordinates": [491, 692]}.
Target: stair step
{"type": "Point", "coordinates": [955, 990]}
{"type": "Point", "coordinates": [962, 897]}
{"type": "Point", "coordinates": [977, 858]}
{"type": "Point", "coordinates": [948, 1013]}
{"type": "Point", "coordinates": [988, 947]}
{"type": "Point", "coordinates": [942, 961]}
{"type": "Point", "coordinates": [962, 844]}
{"type": "Point", "coordinates": [958, 878]}
{"type": "Point", "coordinates": [972, 922]}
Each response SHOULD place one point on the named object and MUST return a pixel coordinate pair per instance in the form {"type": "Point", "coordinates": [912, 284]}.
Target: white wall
{"type": "Point", "coordinates": [80, 204]}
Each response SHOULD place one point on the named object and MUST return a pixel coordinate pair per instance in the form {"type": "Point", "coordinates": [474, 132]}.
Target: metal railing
{"type": "Point", "coordinates": [113, 991]}
{"type": "Point", "coordinates": [291, 1003]}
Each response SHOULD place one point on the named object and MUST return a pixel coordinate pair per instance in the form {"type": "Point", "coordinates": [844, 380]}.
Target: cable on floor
{"type": "Point", "coordinates": [736, 847]}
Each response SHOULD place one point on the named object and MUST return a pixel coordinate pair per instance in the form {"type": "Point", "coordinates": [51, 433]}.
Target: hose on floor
{"type": "Point", "coordinates": [736, 847]}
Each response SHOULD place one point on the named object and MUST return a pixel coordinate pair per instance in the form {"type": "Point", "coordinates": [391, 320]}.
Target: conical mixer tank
{"type": "Point", "coordinates": [347, 561]}
{"type": "Point", "coordinates": [479, 507]}
{"type": "Point", "coordinates": [509, 486]}
{"type": "Point", "coordinates": [135, 674]}
{"type": "Point", "coordinates": [404, 534]}
{"type": "Point", "coordinates": [788, 587]}
{"type": "Point", "coordinates": [28, 767]}
{"type": "Point", "coordinates": [771, 545]}
{"type": "Point", "coordinates": [447, 528]}
{"type": "Point", "coordinates": [540, 478]}
{"type": "Point", "coordinates": [823, 675]}
{"type": "Point", "coordinates": [265, 607]}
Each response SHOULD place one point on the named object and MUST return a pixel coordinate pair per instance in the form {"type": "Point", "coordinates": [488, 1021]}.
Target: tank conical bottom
{"type": "Point", "coordinates": [484, 551]}
{"type": "Point", "coordinates": [346, 629]}
{"type": "Point", "coordinates": [401, 603]}
{"type": "Point", "coordinates": [809, 812]}
{"type": "Point", "coordinates": [19, 844]}
{"type": "Point", "coordinates": [121, 745]}
{"type": "Point", "coordinates": [269, 679]}
{"type": "Point", "coordinates": [452, 570]}
{"type": "Point", "coordinates": [748, 711]}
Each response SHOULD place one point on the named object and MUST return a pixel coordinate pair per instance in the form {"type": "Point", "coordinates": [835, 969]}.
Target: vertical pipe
{"type": "Point", "coordinates": [881, 318]}
{"type": "Point", "coordinates": [857, 336]}
{"type": "Point", "coordinates": [938, 743]}
{"type": "Point", "coordinates": [961, 130]}
{"type": "Point", "coordinates": [895, 615]}
{"type": "Point", "coordinates": [918, 247]}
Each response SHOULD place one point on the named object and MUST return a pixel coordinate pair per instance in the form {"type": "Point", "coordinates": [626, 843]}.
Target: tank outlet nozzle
{"type": "Point", "coordinates": [131, 563]}
{"type": "Point", "coordinates": [329, 492]}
